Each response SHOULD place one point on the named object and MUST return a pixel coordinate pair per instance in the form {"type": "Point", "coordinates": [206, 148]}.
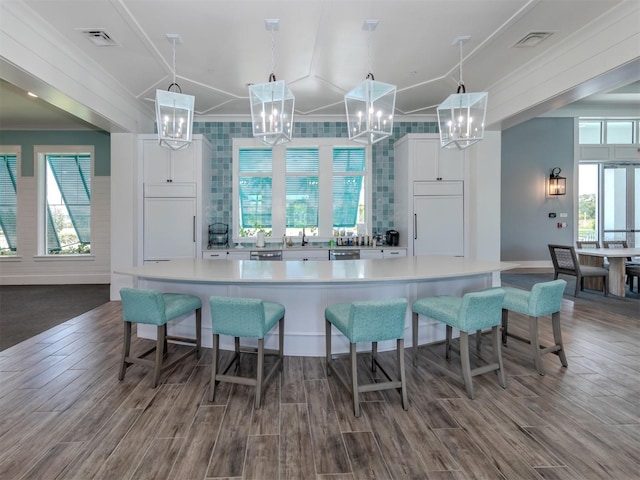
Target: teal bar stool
{"type": "Point", "coordinates": [369, 321]}
{"type": "Point", "coordinates": [245, 317]}
{"type": "Point", "coordinates": [469, 313]}
{"type": "Point", "coordinates": [156, 308]}
{"type": "Point", "coordinates": [544, 299]}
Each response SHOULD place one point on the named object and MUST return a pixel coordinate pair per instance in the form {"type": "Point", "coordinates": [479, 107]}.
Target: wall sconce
{"type": "Point", "coordinates": [557, 185]}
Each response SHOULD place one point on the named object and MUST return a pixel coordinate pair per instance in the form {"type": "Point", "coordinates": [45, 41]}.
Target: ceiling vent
{"type": "Point", "coordinates": [532, 39]}
{"type": "Point", "coordinates": [99, 37]}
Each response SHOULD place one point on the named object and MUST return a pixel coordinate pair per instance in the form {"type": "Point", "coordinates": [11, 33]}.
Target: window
{"type": "Point", "coordinates": [8, 200]}
{"type": "Point", "coordinates": [320, 185]}
{"type": "Point", "coordinates": [609, 132]}
{"type": "Point", "coordinates": [64, 207]}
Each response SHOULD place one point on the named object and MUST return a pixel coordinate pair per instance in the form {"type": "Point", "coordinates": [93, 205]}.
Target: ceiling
{"type": "Point", "coordinates": [320, 49]}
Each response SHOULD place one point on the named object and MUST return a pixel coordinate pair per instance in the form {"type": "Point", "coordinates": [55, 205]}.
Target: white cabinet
{"type": "Point", "coordinates": [169, 228]}
{"type": "Point", "coordinates": [172, 198]}
{"type": "Point", "coordinates": [428, 161]}
{"type": "Point", "coordinates": [305, 255]}
{"type": "Point", "coordinates": [225, 255]}
{"type": "Point", "coordinates": [372, 254]}
{"type": "Point", "coordinates": [429, 196]}
{"type": "Point", "coordinates": [394, 252]}
{"type": "Point", "coordinates": [162, 165]}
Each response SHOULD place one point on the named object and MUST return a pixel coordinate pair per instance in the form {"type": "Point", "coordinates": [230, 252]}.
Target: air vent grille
{"type": "Point", "coordinates": [99, 37]}
{"type": "Point", "coordinates": [532, 39]}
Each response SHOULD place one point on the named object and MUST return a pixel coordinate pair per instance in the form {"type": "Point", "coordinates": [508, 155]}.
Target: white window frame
{"type": "Point", "coordinates": [325, 179]}
{"type": "Point", "coordinates": [39, 153]}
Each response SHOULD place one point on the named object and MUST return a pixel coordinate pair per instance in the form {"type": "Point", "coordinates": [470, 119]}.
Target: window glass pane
{"type": "Point", "coordinates": [588, 202]}
{"type": "Point", "coordinates": [589, 132]}
{"type": "Point", "coordinates": [615, 203]}
{"type": "Point", "coordinates": [255, 161]}
{"type": "Point", "coordinates": [255, 205]}
{"type": "Point", "coordinates": [68, 187]}
{"type": "Point", "coordinates": [348, 190]}
{"type": "Point", "coordinates": [620, 132]}
{"type": "Point", "coordinates": [348, 160]}
{"type": "Point", "coordinates": [302, 160]}
{"type": "Point", "coordinates": [302, 191]}
{"type": "Point", "coordinates": [255, 166]}
{"type": "Point", "coordinates": [8, 226]}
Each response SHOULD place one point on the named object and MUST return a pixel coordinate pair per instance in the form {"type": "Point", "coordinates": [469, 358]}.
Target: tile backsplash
{"type": "Point", "coordinates": [221, 135]}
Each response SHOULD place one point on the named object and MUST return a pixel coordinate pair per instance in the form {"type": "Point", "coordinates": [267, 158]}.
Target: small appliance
{"type": "Point", "coordinates": [392, 238]}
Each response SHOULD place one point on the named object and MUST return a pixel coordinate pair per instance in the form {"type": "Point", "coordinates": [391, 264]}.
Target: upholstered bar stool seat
{"type": "Point", "coordinates": [249, 318]}
{"type": "Point", "coordinates": [152, 307]}
{"type": "Point", "coordinates": [470, 313]}
{"type": "Point", "coordinates": [544, 299]}
{"type": "Point", "coordinates": [369, 321]}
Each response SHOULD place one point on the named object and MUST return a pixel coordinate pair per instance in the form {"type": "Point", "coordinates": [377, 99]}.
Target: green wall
{"type": "Point", "coordinates": [27, 139]}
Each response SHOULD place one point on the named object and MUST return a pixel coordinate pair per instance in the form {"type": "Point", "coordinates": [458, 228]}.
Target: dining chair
{"type": "Point", "coordinates": [153, 307]}
{"type": "Point", "coordinates": [565, 262]}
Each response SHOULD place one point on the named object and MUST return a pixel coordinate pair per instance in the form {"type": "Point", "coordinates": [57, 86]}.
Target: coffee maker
{"type": "Point", "coordinates": [392, 238]}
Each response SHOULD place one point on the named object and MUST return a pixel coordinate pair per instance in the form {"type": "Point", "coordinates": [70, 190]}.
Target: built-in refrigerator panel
{"type": "Point", "coordinates": [169, 228]}
{"type": "Point", "coordinates": [438, 225]}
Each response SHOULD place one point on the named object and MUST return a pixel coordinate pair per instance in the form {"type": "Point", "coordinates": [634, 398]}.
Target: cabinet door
{"type": "Point", "coordinates": [451, 164]}
{"type": "Point", "coordinates": [162, 165]}
{"type": "Point", "coordinates": [169, 228]}
{"type": "Point", "coordinates": [238, 255]}
{"type": "Point", "coordinates": [182, 164]}
{"type": "Point", "coordinates": [155, 162]}
{"type": "Point", "coordinates": [215, 255]}
{"type": "Point", "coordinates": [425, 160]}
{"type": "Point", "coordinates": [371, 254]}
{"type": "Point", "coordinates": [438, 225]}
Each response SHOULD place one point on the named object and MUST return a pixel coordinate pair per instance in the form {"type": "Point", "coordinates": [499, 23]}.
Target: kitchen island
{"type": "Point", "coordinates": [307, 287]}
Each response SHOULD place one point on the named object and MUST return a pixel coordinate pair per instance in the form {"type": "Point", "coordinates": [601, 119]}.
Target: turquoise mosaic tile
{"type": "Point", "coordinates": [221, 135]}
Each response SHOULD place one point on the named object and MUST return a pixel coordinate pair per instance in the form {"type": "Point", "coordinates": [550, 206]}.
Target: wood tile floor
{"type": "Point", "coordinates": [64, 414]}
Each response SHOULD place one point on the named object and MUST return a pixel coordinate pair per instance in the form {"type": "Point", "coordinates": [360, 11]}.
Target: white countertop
{"type": "Point", "coordinates": [423, 267]}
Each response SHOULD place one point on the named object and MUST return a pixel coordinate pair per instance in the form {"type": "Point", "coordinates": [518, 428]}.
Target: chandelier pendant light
{"type": "Point", "coordinates": [370, 106]}
{"type": "Point", "coordinates": [462, 115]}
{"type": "Point", "coordinates": [174, 110]}
{"type": "Point", "coordinates": [272, 103]}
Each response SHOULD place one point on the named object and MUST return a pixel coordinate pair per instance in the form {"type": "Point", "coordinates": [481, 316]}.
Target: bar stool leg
{"type": "Point", "coordinates": [557, 336]}
{"type": "Point", "coordinates": [466, 364]}
{"type": "Point", "coordinates": [126, 347]}
{"type": "Point", "coordinates": [374, 354]}
{"type": "Point", "coordinates": [198, 332]}
{"type": "Point", "coordinates": [354, 379]}
{"type": "Point", "coordinates": [415, 338]}
{"type": "Point", "coordinates": [505, 325]}
{"type": "Point", "coordinates": [535, 344]}
{"type": "Point", "coordinates": [497, 353]}
{"type": "Point", "coordinates": [214, 366]}
{"type": "Point", "coordinates": [161, 338]}
{"type": "Point", "coordinates": [260, 373]}
{"type": "Point", "coordinates": [401, 375]}
{"type": "Point", "coordinates": [447, 343]}
{"type": "Point", "coordinates": [327, 337]}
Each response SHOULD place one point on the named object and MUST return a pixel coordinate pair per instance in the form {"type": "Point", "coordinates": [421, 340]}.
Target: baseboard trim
{"type": "Point", "coordinates": [70, 279]}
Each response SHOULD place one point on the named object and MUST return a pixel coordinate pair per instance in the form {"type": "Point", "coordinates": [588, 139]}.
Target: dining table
{"type": "Point", "coordinates": [617, 259]}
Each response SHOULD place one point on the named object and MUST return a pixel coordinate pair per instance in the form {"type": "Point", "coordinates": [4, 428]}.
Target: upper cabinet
{"type": "Point", "coordinates": [162, 165]}
{"type": "Point", "coordinates": [430, 162]}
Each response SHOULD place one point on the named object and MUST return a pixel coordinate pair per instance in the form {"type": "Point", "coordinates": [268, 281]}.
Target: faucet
{"type": "Point", "coordinates": [304, 241]}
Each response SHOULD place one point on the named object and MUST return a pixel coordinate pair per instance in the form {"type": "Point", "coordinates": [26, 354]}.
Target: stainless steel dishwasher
{"type": "Point", "coordinates": [344, 254]}
{"type": "Point", "coordinates": [266, 255]}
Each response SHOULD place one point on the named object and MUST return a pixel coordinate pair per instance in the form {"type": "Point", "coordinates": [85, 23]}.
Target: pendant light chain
{"type": "Point", "coordinates": [369, 52]}
{"type": "Point", "coordinates": [174, 61]}
{"type": "Point", "coordinates": [461, 82]}
{"type": "Point", "coordinates": [273, 56]}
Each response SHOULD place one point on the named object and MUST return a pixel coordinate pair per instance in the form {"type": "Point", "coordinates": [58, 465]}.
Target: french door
{"type": "Point", "coordinates": [621, 203]}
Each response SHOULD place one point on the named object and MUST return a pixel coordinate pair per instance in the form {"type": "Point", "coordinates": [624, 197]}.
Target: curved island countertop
{"type": "Point", "coordinates": [306, 288]}
{"type": "Point", "coordinates": [422, 267]}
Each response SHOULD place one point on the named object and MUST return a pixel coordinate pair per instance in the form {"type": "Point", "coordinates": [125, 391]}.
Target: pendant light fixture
{"type": "Point", "coordinates": [272, 103]}
{"type": "Point", "coordinates": [371, 105]}
{"type": "Point", "coordinates": [174, 110]}
{"type": "Point", "coordinates": [461, 116]}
